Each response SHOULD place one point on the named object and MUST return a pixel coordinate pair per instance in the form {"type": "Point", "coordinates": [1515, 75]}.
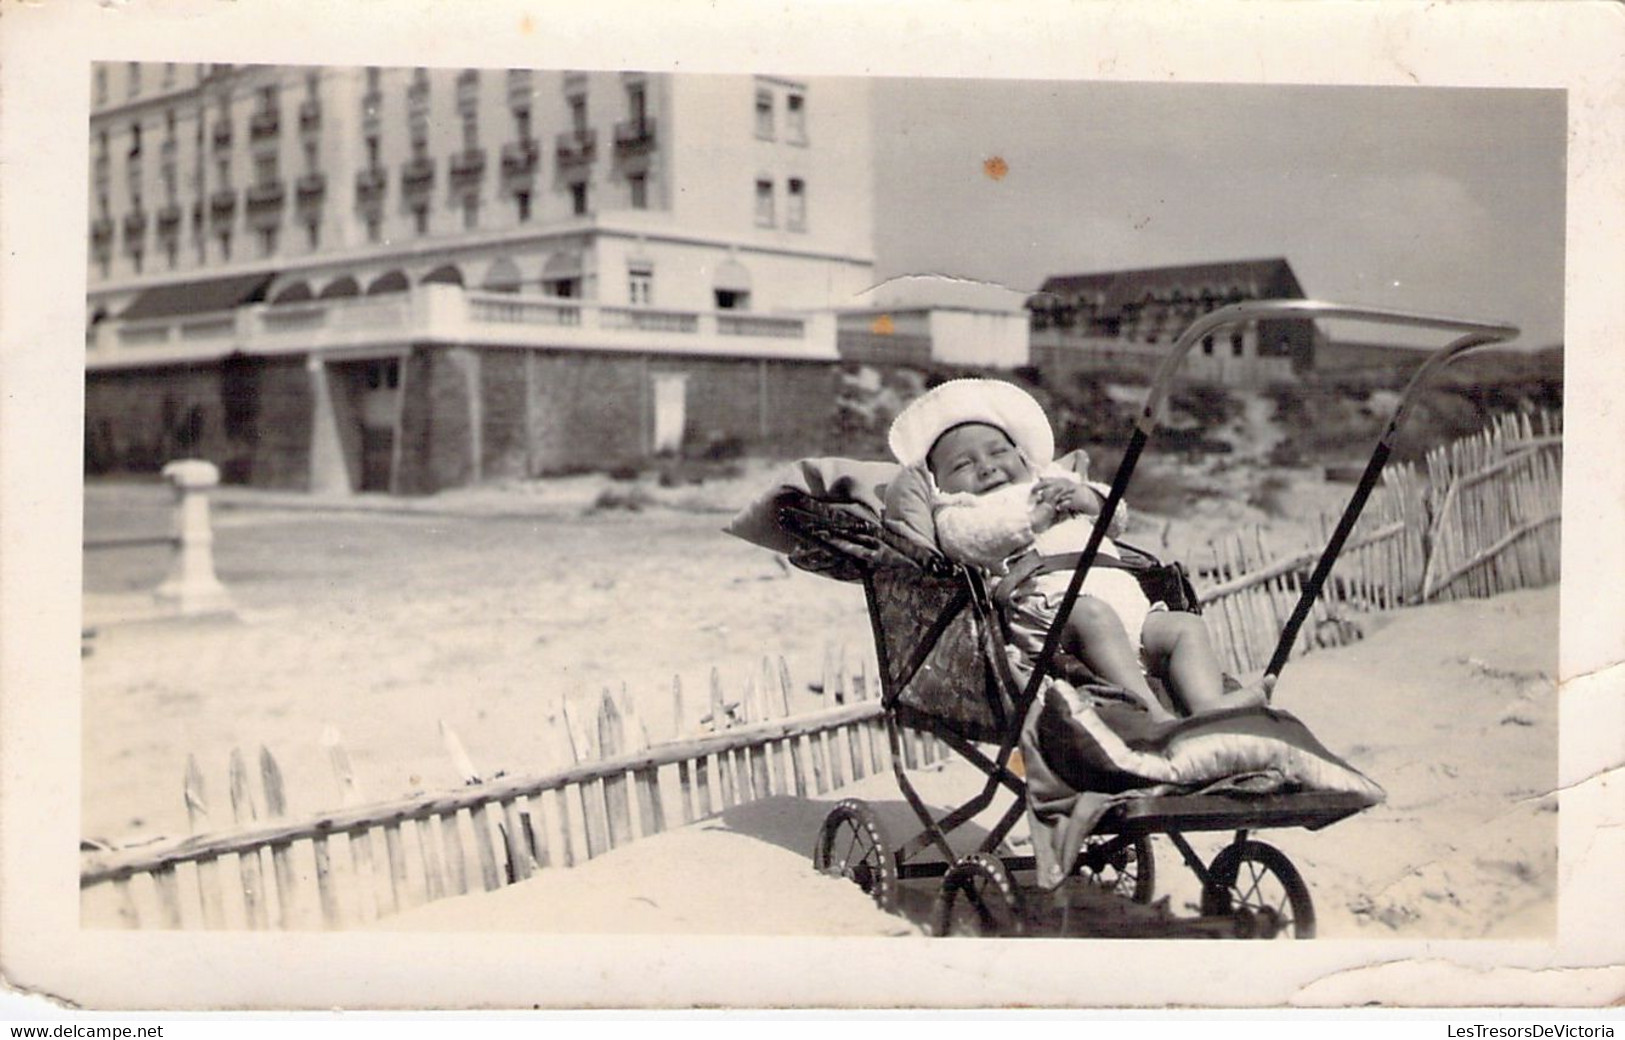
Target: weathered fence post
{"type": "Point", "coordinates": [192, 588]}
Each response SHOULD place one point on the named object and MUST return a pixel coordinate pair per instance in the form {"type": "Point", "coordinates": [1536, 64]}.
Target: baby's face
{"type": "Point", "coordinates": [977, 458]}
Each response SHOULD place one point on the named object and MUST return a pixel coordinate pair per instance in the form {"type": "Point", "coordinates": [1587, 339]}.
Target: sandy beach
{"type": "Point", "coordinates": [487, 611]}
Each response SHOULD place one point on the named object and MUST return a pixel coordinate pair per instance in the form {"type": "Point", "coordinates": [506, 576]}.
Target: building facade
{"type": "Point", "coordinates": [1125, 321]}
{"type": "Point", "coordinates": [408, 278]}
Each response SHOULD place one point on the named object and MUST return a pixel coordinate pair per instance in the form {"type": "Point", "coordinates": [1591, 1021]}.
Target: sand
{"type": "Point", "coordinates": [487, 611]}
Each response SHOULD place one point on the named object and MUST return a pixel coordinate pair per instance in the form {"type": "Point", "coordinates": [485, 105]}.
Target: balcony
{"type": "Point", "coordinates": [169, 221]}
{"type": "Point", "coordinates": [417, 97]}
{"type": "Point", "coordinates": [575, 147]}
{"type": "Point", "coordinates": [520, 86]}
{"type": "Point", "coordinates": [101, 231]}
{"type": "Point", "coordinates": [370, 185]}
{"type": "Point", "coordinates": [450, 314]}
{"type": "Point", "coordinates": [223, 206]}
{"type": "Point", "coordinates": [135, 225]}
{"type": "Point", "coordinates": [417, 177]}
{"type": "Point", "coordinates": [311, 189]}
{"type": "Point", "coordinates": [467, 169]}
{"type": "Point", "coordinates": [264, 124]}
{"type": "Point", "coordinates": [222, 135]}
{"type": "Point", "coordinates": [519, 159]}
{"type": "Point", "coordinates": [265, 203]}
{"type": "Point", "coordinates": [634, 136]}
{"type": "Point", "coordinates": [310, 116]}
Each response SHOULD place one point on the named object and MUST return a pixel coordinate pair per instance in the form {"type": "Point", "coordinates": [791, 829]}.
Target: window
{"type": "Point", "coordinates": [135, 78]}
{"type": "Point", "coordinates": [764, 203]}
{"type": "Point", "coordinates": [172, 252]}
{"type": "Point", "coordinates": [268, 239]}
{"type": "Point", "coordinates": [225, 245]}
{"type": "Point", "coordinates": [135, 140]}
{"type": "Point", "coordinates": [313, 234]}
{"type": "Point", "coordinates": [795, 118]}
{"type": "Point", "coordinates": [521, 123]}
{"type": "Point", "coordinates": [420, 218]}
{"type": "Point", "coordinates": [796, 205]}
{"type": "Point", "coordinates": [764, 114]}
{"type": "Point", "coordinates": [640, 277]}
{"type": "Point", "coordinates": [420, 141]}
{"type": "Point", "coordinates": [578, 198]}
{"type": "Point", "coordinates": [268, 98]}
{"type": "Point", "coordinates": [374, 228]}
{"type": "Point", "coordinates": [169, 74]}
{"type": "Point", "coordinates": [372, 151]}
{"type": "Point", "coordinates": [578, 113]}
{"type": "Point", "coordinates": [1207, 345]}
{"type": "Point", "coordinates": [101, 86]}
{"type": "Point", "coordinates": [471, 212]}
{"type": "Point", "coordinates": [1235, 344]}
{"type": "Point", "coordinates": [522, 200]}
{"type": "Point", "coordinates": [638, 186]}
{"type": "Point", "coordinates": [732, 299]}
{"type": "Point", "coordinates": [471, 130]}
{"type": "Point", "coordinates": [310, 156]}
{"type": "Point", "coordinates": [637, 102]}
{"type": "Point", "coordinates": [265, 168]}
{"type": "Point", "coordinates": [373, 77]}
{"type": "Point", "coordinates": [223, 168]}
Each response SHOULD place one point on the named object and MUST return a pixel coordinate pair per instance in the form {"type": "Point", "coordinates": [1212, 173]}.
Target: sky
{"type": "Point", "coordinates": [1440, 200]}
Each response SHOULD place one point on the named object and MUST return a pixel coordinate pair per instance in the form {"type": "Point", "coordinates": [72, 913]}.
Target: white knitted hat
{"type": "Point", "coordinates": [1011, 409]}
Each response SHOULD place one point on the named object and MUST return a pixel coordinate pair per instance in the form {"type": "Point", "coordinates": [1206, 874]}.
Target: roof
{"type": "Point", "coordinates": [215, 294]}
{"type": "Point", "coordinates": [1256, 279]}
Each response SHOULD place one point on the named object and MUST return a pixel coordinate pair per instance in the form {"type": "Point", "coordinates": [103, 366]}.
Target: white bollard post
{"type": "Point", "coordinates": [192, 588]}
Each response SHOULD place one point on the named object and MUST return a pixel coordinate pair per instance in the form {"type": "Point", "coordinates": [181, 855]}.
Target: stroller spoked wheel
{"type": "Point", "coordinates": [1121, 866]}
{"type": "Point", "coordinates": [1258, 886]}
{"type": "Point", "coordinates": [977, 898]}
{"type": "Point", "coordinates": [852, 844]}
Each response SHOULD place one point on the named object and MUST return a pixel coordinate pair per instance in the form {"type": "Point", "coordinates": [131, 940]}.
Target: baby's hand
{"type": "Point", "coordinates": [1043, 510]}
{"type": "Point", "coordinates": [1067, 497]}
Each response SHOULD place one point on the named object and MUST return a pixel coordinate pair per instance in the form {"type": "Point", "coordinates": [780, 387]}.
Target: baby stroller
{"type": "Point", "coordinates": [1093, 792]}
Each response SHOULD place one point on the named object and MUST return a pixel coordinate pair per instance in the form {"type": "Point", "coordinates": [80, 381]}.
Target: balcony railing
{"type": "Point", "coordinates": [265, 202]}
{"type": "Point", "coordinates": [417, 176]}
{"type": "Point", "coordinates": [101, 230]}
{"type": "Point", "coordinates": [135, 225]}
{"type": "Point", "coordinates": [311, 188]}
{"type": "Point", "coordinates": [577, 146]}
{"type": "Point", "coordinates": [444, 313]}
{"type": "Point", "coordinates": [634, 136]}
{"type": "Point", "coordinates": [467, 168]}
{"type": "Point", "coordinates": [223, 205]}
{"type": "Point", "coordinates": [519, 159]}
{"type": "Point", "coordinates": [222, 135]}
{"type": "Point", "coordinates": [169, 221]}
{"type": "Point", "coordinates": [370, 185]}
{"type": "Point", "coordinates": [310, 116]}
{"type": "Point", "coordinates": [264, 124]}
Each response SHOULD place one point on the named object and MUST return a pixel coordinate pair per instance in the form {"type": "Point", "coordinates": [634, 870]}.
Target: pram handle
{"type": "Point", "coordinates": [1471, 334]}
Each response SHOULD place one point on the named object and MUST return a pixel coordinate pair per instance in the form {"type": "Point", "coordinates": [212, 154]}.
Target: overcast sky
{"type": "Point", "coordinates": [1447, 201]}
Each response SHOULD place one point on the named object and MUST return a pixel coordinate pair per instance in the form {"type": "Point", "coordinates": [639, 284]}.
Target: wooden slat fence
{"type": "Point", "coordinates": [364, 860]}
{"type": "Point", "coordinates": [1479, 516]}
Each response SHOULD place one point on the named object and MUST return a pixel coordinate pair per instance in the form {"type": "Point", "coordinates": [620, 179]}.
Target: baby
{"type": "Point", "coordinates": [988, 448]}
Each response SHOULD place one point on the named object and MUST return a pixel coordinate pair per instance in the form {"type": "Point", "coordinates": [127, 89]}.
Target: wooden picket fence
{"type": "Point", "coordinates": [364, 861]}
{"type": "Point", "coordinates": [1479, 516]}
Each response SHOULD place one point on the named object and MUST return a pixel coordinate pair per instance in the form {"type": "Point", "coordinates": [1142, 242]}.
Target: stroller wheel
{"type": "Point", "coordinates": [977, 898]}
{"type": "Point", "coordinates": [852, 844]}
{"type": "Point", "coordinates": [1260, 888]}
{"type": "Point", "coordinates": [1123, 867]}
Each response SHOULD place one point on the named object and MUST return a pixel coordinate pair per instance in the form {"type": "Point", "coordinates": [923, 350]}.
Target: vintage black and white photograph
{"type": "Point", "coordinates": [608, 501]}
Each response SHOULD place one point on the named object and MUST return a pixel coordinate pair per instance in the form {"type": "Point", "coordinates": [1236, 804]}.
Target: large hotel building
{"type": "Point", "coordinates": [406, 279]}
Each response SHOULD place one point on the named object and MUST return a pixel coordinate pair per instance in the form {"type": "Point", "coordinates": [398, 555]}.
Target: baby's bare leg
{"type": "Point", "coordinates": [1096, 636]}
{"type": "Point", "coordinates": [1182, 653]}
